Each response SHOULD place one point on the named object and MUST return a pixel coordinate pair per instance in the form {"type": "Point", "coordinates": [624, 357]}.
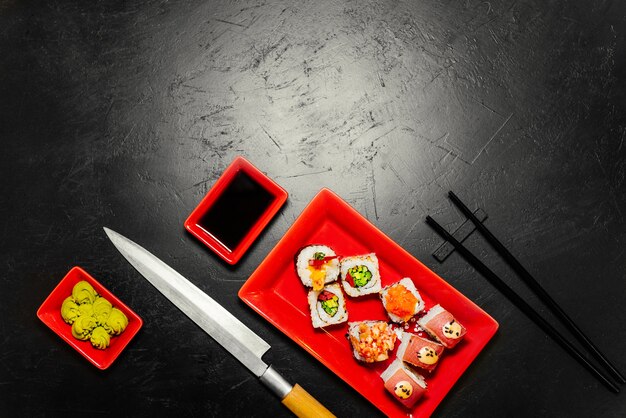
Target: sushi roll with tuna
{"type": "Point", "coordinates": [419, 352]}
{"type": "Point", "coordinates": [317, 265]}
{"type": "Point", "coordinates": [371, 340]}
{"type": "Point", "coordinates": [405, 385]}
{"type": "Point", "coordinates": [441, 325]}
{"type": "Point", "coordinates": [360, 275]}
{"type": "Point", "coordinates": [401, 300]}
{"type": "Point", "coordinates": [328, 306]}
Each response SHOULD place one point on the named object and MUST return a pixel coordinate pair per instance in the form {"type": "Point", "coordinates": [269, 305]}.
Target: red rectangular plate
{"type": "Point", "coordinates": [275, 291]}
{"type": "Point", "coordinates": [50, 314]}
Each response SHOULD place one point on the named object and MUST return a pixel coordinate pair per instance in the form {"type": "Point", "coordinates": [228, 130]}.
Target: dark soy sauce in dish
{"type": "Point", "coordinates": [236, 210]}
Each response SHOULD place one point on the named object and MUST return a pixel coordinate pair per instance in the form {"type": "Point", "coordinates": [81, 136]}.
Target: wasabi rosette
{"type": "Point", "coordinates": [116, 322]}
{"type": "Point", "coordinates": [83, 292]}
{"type": "Point", "coordinates": [82, 327]}
{"type": "Point", "coordinates": [86, 309]}
{"type": "Point", "coordinates": [101, 310]}
{"type": "Point", "coordinates": [100, 338]}
{"type": "Point", "coordinates": [69, 310]}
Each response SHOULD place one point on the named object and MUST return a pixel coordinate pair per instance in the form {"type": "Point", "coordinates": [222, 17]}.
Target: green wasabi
{"type": "Point", "coordinates": [116, 322]}
{"type": "Point", "coordinates": [83, 292]}
{"type": "Point", "coordinates": [82, 327]}
{"type": "Point", "coordinates": [70, 310]}
{"type": "Point", "coordinates": [99, 338]}
{"type": "Point", "coordinates": [101, 310]}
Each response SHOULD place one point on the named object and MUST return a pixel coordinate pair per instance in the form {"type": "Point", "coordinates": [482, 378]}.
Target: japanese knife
{"type": "Point", "coordinates": [228, 331]}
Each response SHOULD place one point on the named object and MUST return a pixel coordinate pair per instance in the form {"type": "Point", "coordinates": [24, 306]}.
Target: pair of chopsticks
{"type": "Point", "coordinates": [525, 307]}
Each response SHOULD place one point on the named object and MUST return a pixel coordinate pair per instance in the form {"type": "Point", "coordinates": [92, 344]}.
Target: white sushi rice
{"type": "Point", "coordinates": [405, 339]}
{"type": "Point", "coordinates": [398, 364]}
{"type": "Point", "coordinates": [433, 312]}
{"type": "Point", "coordinates": [302, 264]}
{"type": "Point", "coordinates": [410, 286]}
{"type": "Point", "coordinates": [371, 262]}
{"type": "Point", "coordinates": [319, 317]}
{"type": "Point", "coordinates": [423, 321]}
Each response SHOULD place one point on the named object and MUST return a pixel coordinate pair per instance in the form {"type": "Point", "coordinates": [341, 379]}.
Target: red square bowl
{"type": "Point", "coordinates": [236, 209]}
{"type": "Point", "coordinates": [50, 314]}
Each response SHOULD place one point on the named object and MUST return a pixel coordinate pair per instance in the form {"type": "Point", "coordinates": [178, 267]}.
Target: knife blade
{"type": "Point", "coordinates": [221, 325]}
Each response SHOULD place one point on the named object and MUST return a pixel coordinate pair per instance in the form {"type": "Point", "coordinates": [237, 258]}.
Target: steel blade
{"type": "Point", "coordinates": [209, 315]}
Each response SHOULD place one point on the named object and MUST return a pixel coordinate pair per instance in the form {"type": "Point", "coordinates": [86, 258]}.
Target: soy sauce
{"type": "Point", "coordinates": [236, 210]}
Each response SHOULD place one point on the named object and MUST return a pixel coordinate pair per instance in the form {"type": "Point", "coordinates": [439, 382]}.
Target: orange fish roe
{"type": "Point", "coordinates": [374, 341]}
{"type": "Point", "coordinates": [401, 302]}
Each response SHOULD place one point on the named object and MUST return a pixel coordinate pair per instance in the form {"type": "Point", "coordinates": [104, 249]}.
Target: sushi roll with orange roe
{"type": "Point", "coordinates": [401, 300]}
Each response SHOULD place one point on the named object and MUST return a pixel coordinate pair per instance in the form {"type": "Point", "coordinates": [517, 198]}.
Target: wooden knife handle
{"type": "Point", "coordinates": [304, 405]}
{"type": "Point", "coordinates": [296, 399]}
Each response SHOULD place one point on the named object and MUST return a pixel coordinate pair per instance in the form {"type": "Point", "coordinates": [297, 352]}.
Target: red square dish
{"type": "Point", "coordinates": [275, 291]}
{"type": "Point", "coordinates": [236, 209]}
{"type": "Point", "coordinates": [50, 314]}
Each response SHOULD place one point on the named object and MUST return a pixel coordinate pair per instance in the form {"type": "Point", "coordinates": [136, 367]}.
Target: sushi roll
{"type": "Point", "coordinates": [419, 352]}
{"type": "Point", "coordinates": [406, 386]}
{"type": "Point", "coordinates": [401, 300]}
{"type": "Point", "coordinates": [328, 306]}
{"type": "Point", "coordinates": [441, 325]}
{"type": "Point", "coordinates": [371, 340]}
{"type": "Point", "coordinates": [317, 265]}
{"type": "Point", "coordinates": [360, 275]}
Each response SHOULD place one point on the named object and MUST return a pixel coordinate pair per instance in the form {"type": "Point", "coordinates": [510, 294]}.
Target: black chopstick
{"type": "Point", "coordinates": [537, 288]}
{"type": "Point", "coordinates": [521, 304]}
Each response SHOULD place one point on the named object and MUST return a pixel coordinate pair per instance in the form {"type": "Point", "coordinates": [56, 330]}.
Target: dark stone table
{"type": "Point", "coordinates": [124, 113]}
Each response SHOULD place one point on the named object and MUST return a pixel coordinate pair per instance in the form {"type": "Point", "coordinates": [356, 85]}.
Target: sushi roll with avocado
{"type": "Point", "coordinates": [442, 326]}
{"type": "Point", "coordinates": [360, 275]}
{"type": "Point", "coordinates": [405, 385]}
{"type": "Point", "coordinates": [401, 300]}
{"type": "Point", "coordinates": [317, 265]}
{"type": "Point", "coordinates": [328, 306]}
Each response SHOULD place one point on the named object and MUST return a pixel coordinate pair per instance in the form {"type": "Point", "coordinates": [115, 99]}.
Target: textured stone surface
{"type": "Point", "coordinates": [124, 113]}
